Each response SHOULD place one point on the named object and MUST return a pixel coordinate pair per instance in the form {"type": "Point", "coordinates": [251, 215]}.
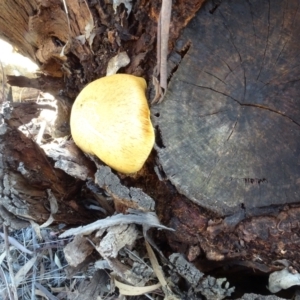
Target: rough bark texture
{"type": "Point", "coordinates": [79, 44]}
{"type": "Point", "coordinates": [14, 24]}
{"type": "Point", "coordinates": [27, 175]}
{"type": "Point", "coordinates": [244, 237]}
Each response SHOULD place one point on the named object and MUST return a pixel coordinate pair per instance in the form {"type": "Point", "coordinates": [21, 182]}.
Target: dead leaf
{"type": "Point", "coordinates": [53, 209]}
{"type": "Point", "coordinates": [283, 279]}
{"type": "Point", "coordinates": [89, 31]}
{"type": "Point", "coordinates": [21, 275]}
{"type": "Point", "coordinates": [129, 290]}
{"type": "Point", "coordinates": [147, 219]}
{"type": "Point", "coordinates": [169, 295]}
{"type": "Point", "coordinates": [119, 61]}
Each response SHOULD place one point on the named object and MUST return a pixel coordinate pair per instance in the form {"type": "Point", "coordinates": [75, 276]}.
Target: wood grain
{"type": "Point", "coordinates": [230, 120]}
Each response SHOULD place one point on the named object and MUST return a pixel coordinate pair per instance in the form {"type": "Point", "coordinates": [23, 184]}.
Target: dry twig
{"type": "Point", "coordinates": [162, 49]}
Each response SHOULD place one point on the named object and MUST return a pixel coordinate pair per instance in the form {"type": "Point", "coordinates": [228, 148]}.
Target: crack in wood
{"type": "Point", "coordinates": [245, 104]}
{"type": "Point", "coordinates": [213, 113]}
{"type": "Point", "coordinates": [182, 52]}
{"type": "Point", "coordinates": [158, 138]}
{"type": "Point", "coordinates": [282, 30]}
{"type": "Point", "coordinates": [211, 171]}
{"type": "Point", "coordinates": [215, 77]}
{"type": "Point", "coordinates": [245, 85]}
{"type": "Point", "coordinates": [296, 12]}
{"type": "Point", "coordinates": [215, 7]}
{"type": "Point", "coordinates": [233, 128]}
{"type": "Point", "coordinates": [231, 37]}
{"type": "Point", "coordinates": [267, 42]}
{"type": "Point", "coordinates": [252, 14]}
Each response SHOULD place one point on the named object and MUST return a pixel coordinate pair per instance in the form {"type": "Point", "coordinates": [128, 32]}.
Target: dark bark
{"type": "Point", "coordinates": [229, 135]}
{"type": "Point", "coordinates": [27, 175]}
{"type": "Point", "coordinates": [236, 141]}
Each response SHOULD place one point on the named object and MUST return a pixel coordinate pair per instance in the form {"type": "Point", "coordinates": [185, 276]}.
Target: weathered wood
{"type": "Point", "coordinates": [231, 90]}
{"type": "Point", "coordinates": [230, 121]}
{"type": "Point", "coordinates": [14, 24]}
{"type": "Point", "coordinates": [26, 176]}
{"type": "Point", "coordinates": [44, 83]}
{"type": "Point", "coordinates": [60, 42]}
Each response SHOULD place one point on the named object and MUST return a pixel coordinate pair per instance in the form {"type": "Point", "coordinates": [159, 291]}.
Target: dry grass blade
{"type": "Point", "coordinates": [67, 13]}
{"type": "Point", "coordinates": [146, 219]}
{"type": "Point", "coordinates": [155, 265]}
{"type": "Point", "coordinates": [3, 86]}
{"type": "Point", "coordinates": [162, 50]}
{"type": "Point", "coordinates": [21, 275]}
{"type": "Point", "coordinates": [158, 90]}
{"type": "Point", "coordinates": [34, 241]}
{"type": "Point", "coordinates": [45, 292]}
{"type": "Point", "coordinates": [6, 291]}
{"type": "Point", "coordinates": [15, 243]}
{"type": "Point", "coordinates": [165, 18]}
{"type": "Point", "coordinates": [43, 268]}
{"type": "Point", "coordinates": [37, 230]}
{"type": "Point", "coordinates": [53, 209]}
{"type": "Point", "coordinates": [169, 295]}
{"type": "Point", "coordinates": [9, 262]}
{"type": "Point", "coordinates": [129, 290]}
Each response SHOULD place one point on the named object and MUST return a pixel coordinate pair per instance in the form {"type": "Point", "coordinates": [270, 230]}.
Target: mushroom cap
{"type": "Point", "coordinates": [110, 118]}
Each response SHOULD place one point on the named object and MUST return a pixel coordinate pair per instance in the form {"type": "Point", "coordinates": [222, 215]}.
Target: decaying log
{"type": "Point", "coordinates": [27, 174]}
{"type": "Point", "coordinates": [14, 24]}
{"type": "Point", "coordinates": [44, 83]}
{"type": "Point", "coordinates": [78, 42]}
{"type": "Point", "coordinates": [227, 130]}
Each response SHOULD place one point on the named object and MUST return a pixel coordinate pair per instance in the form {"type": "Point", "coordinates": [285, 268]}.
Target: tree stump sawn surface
{"type": "Point", "coordinates": [230, 120]}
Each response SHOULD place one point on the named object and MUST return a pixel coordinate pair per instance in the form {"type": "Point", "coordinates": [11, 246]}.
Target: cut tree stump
{"type": "Point", "coordinates": [230, 120]}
